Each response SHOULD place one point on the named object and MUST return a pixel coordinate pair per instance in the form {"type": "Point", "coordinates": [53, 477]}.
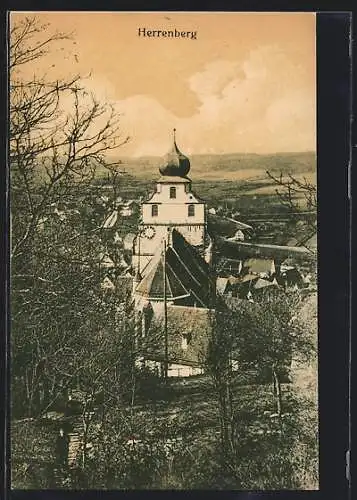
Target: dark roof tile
{"type": "Point", "coordinates": [187, 274]}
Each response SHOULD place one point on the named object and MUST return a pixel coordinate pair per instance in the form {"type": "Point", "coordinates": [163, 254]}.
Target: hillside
{"type": "Point", "coordinates": [235, 166]}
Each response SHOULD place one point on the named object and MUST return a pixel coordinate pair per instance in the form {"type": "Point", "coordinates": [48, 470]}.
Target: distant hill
{"type": "Point", "coordinates": [234, 166]}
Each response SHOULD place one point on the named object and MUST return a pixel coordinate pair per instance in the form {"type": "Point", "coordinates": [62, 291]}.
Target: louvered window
{"type": "Point", "coordinates": [191, 210]}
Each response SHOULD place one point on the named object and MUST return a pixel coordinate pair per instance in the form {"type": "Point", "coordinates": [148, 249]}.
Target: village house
{"type": "Point", "coordinates": [228, 267]}
{"type": "Point", "coordinates": [189, 333]}
{"type": "Point", "coordinates": [265, 268]}
{"type": "Point", "coordinates": [128, 208]}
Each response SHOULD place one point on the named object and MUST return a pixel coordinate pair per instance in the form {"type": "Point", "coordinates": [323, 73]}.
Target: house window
{"type": "Point", "coordinates": [187, 188]}
{"type": "Point", "coordinates": [172, 192]}
{"type": "Point", "coordinates": [191, 210]}
{"type": "Point", "coordinates": [154, 210]}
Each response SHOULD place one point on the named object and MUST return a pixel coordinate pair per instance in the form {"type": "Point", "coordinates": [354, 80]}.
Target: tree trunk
{"type": "Point", "coordinates": [86, 419]}
{"type": "Point", "coordinates": [226, 419]}
{"type": "Point", "coordinates": [274, 383]}
{"type": "Point", "coordinates": [277, 392]}
{"type": "Point", "coordinates": [231, 417]}
{"type": "Point", "coordinates": [223, 420]}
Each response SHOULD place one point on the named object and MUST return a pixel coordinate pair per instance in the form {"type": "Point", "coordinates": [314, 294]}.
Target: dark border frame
{"type": "Point", "coordinates": [334, 95]}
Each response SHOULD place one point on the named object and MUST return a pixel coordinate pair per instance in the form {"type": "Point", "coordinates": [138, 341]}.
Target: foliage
{"type": "Point", "coordinates": [32, 455]}
{"type": "Point", "coordinates": [261, 336]}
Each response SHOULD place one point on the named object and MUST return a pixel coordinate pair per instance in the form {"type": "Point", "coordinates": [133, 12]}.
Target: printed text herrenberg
{"type": "Point", "coordinates": [167, 33]}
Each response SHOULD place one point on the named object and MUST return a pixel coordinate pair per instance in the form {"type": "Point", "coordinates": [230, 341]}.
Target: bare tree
{"type": "Point", "coordinates": [219, 367]}
{"type": "Point", "coordinates": [299, 196]}
{"type": "Point", "coordinates": [60, 135]}
{"type": "Point", "coordinates": [51, 150]}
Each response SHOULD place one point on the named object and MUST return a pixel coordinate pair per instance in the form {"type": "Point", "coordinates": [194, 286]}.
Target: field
{"type": "Point", "coordinates": [221, 178]}
{"type": "Point", "coordinates": [236, 184]}
{"type": "Point", "coordinates": [230, 167]}
{"type": "Point", "coordinates": [230, 180]}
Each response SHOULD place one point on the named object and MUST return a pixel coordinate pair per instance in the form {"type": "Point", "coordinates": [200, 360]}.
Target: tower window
{"type": "Point", "coordinates": [154, 210]}
{"type": "Point", "coordinates": [191, 210]}
{"type": "Point", "coordinates": [172, 192]}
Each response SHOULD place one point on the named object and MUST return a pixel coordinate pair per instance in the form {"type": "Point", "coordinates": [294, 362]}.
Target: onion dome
{"type": "Point", "coordinates": [175, 163]}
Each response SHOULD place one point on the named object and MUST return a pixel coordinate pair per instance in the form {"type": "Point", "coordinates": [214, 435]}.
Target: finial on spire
{"type": "Point", "coordinates": [174, 135]}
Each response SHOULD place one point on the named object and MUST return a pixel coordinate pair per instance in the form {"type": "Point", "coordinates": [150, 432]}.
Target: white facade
{"type": "Point", "coordinates": [172, 205]}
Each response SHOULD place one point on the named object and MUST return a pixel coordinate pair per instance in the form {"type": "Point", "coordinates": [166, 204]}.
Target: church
{"type": "Point", "coordinates": [174, 282]}
{"type": "Point", "coordinates": [173, 205]}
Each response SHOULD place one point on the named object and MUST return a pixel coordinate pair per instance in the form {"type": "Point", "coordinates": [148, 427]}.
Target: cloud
{"type": "Point", "coordinates": [147, 123]}
{"type": "Point", "coordinates": [261, 104]}
{"type": "Point", "coordinates": [213, 79]}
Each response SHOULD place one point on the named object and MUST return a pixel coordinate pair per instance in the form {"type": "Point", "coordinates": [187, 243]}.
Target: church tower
{"type": "Point", "coordinates": [173, 205]}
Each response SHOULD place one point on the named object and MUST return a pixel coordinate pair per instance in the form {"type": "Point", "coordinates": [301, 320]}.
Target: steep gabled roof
{"type": "Point", "coordinates": [249, 277]}
{"type": "Point", "coordinates": [187, 253]}
{"type": "Point", "coordinates": [152, 283]}
{"type": "Point", "coordinates": [261, 283]}
{"type": "Point", "coordinates": [187, 274]}
{"type": "Point", "coordinates": [194, 269]}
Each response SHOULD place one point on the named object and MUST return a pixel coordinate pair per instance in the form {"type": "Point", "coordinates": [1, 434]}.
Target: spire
{"type": "Point", "coordinates": [175, 163]}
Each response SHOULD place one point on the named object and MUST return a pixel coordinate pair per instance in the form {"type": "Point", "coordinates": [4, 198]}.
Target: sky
{"type": "Point", "coordinates": [247, 84]}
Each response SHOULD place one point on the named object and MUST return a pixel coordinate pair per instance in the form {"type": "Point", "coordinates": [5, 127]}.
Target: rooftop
{"type": "Point", "coordinates": [259, 265]}
{"type": "Point", "coordinates": [187, 274]}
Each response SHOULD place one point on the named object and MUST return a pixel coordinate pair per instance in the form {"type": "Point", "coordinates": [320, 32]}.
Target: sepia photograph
{"type": "Point", "coordinates": [163, 251]}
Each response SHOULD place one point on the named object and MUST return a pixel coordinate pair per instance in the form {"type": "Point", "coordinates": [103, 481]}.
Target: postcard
{"type": "Point", "coordinates": [163, 251]}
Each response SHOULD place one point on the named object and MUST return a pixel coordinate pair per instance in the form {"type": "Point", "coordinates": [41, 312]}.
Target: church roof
{"type": "Point", "coordinates": [187, 274]}
{"type": "Point", "coordinates": [175, 164]}
{"type": "Point", "coordinates": [153, 284]}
